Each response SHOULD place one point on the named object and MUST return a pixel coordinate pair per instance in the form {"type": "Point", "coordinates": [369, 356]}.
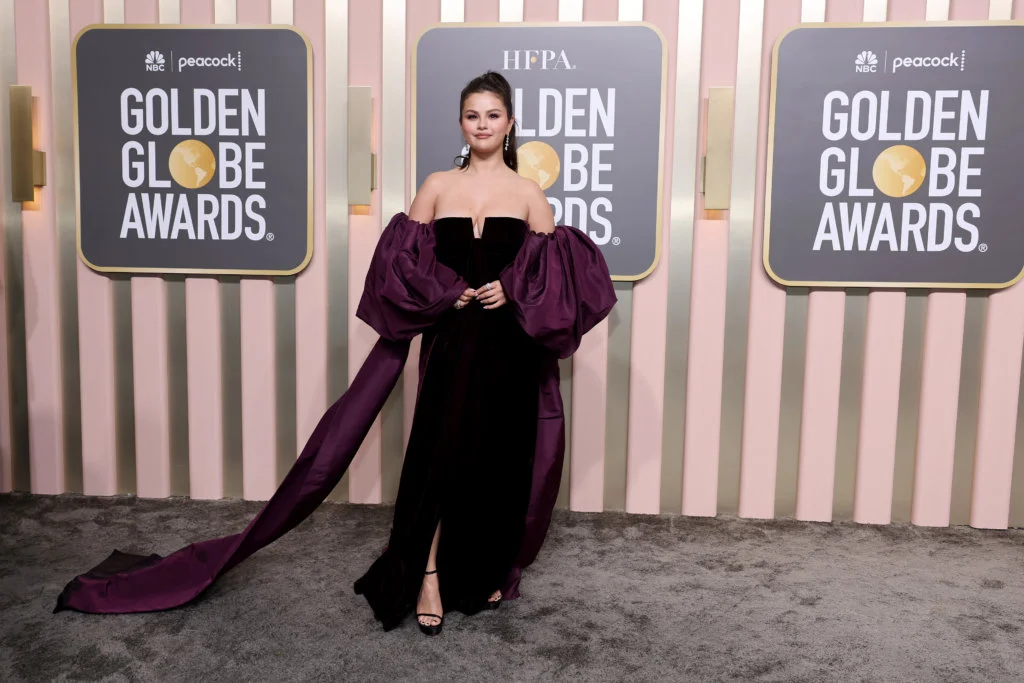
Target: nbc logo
{"type": "Point", "coordinates": [155, 61]}
{"type": "Point", "coordinates": [866, 62]}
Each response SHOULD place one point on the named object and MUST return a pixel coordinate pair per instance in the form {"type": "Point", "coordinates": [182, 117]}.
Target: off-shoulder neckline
{"type": "Point", "coordinates": [485, 219]}
{"type": "Point", "coordinates": [432, 221]}
{"type": "Point", "coordinates": [483, 222]}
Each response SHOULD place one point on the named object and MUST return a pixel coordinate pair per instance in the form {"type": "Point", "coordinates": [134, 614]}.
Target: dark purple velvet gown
{"type": "Point", "coordinates": [487, 442]}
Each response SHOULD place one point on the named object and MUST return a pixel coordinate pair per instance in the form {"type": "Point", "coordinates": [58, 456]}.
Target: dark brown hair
{"type": "Point", "coordinates": [492, 82]}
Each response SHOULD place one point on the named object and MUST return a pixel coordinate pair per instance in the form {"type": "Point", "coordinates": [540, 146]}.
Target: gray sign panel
{"type": "Point", "coordinates": [194, 149]}
{"type": "Point", "coordinates": [894, 155]}
{"type": "Point", "coordinates": [589, 106]}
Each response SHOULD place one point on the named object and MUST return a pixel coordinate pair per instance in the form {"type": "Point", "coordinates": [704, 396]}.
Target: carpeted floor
{"type": "Point", "coordinates": [613, 597]}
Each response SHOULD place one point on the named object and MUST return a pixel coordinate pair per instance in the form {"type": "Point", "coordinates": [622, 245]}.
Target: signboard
{"type": "Point", "coordinates": [589, 102]}
{"type": "Point", "coordinates": [892, 156]}
{"type": "Point", "coordinates": [193, 149]}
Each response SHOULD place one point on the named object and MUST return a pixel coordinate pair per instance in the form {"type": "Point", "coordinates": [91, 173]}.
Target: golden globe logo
{"type": "Point", "coordinates": [235, 205]}
{"type": "Point", "coordinates": [855, 219]}
{"type": "Point", "coordinates": [539, 162]}
{"type": "Point", "coordinates": [899, 171]}
{"type": "Point", "coordinates": [192, 164]}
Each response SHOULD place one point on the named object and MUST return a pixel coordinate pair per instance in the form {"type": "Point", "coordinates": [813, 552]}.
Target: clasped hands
{"type": "Point", "coordinates": [491, 295]}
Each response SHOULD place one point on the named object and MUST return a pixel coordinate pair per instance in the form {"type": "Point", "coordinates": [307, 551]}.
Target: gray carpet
{"type": "Point", "coordinates": [612, 597]}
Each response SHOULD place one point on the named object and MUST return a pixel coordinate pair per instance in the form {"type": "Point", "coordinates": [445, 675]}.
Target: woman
{"type": "Point", "coordinates": [468, 466]}
{"type": "Point", "coordinates": [499, 293]}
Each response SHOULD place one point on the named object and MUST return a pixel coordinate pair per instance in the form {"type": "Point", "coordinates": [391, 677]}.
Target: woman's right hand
{"type": "Point", "coordinates": [465, 297]}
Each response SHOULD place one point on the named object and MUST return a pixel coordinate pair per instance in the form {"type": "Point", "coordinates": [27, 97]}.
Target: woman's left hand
{"type": "Point", "coordinates": [491, 295]}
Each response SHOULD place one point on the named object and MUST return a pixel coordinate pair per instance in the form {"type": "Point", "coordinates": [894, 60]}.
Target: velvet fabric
{"type": "Point", "coordinates": [559, 288]}
{"type": "Point", "coordinates": [468, 466]}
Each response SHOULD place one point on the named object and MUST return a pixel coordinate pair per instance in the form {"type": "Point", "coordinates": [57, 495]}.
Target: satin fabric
{"type": "Point", "coordinates": [560, 288]}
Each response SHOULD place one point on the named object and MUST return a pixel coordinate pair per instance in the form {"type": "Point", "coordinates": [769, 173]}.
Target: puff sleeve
{"type": "Point", "coordinates": [560, 288]}
{"type": "Point", "coordinates": [406, 288]}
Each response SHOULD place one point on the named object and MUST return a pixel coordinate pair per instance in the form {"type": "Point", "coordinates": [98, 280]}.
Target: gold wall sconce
{"type": "Point", "coordinates": [28, 165]}
{"type": "Point", "coordinates": [362, 162]}
{"type": "Point", "coordinates": [716, 171]}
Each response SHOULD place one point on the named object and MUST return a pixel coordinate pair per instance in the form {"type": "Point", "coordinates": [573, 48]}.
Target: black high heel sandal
{"type": "Point", "coordinates": [495, 604]}
{"type": "Point", "coordinates": [434, 629]}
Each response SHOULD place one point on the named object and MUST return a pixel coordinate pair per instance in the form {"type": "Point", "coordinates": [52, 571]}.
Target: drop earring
{"type": "Point", "coordinates": [463, 157]}
{"type": "Point", "coordinates": [506, 143]}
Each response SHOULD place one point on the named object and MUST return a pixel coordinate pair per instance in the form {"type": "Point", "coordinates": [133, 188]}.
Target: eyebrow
{"type": "Point", "coordinates": [474, 111]}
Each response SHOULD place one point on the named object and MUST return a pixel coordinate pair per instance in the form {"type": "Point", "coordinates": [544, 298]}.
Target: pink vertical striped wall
{"type": "Point", "coordinates": [589, 394]}
{"type": "Point", "coordinates": [96, 342]}
{"type": "Point", "coordinates": [711, 237]}
{"type": "Point", "coordinates": [762, 403]}
{"type": "Point", "coordinates": [822, 372]}
{"type": "Point", "coordinates": [150, 363]}
{"type": "Point", "coordinates": [649, 324]}
{"type": "Point", "coordinates": [259, 386]}
{"type": "Point", "coordinates": [203, 370]}
{"type": "Point", "coordinates": [41, 271]}
{"type": "Point", "coordinates": [365, 70]}
{"type": "Point", "coordinates": [730, 441]}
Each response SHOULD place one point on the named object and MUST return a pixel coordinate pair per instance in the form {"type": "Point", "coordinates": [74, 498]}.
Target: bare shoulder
{"type": "Point", "coordinates": [422, 208]}
{"type": "Point", "coordinates": [539, 214]}
{"type": "Point", "coordinates": [439, 181]}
